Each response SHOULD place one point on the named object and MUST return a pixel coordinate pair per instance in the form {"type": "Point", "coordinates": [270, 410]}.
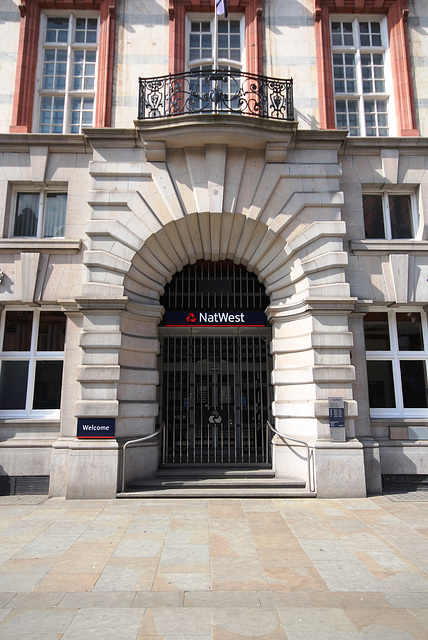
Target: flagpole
{"type": "Point", "coordinates": [215, 36]}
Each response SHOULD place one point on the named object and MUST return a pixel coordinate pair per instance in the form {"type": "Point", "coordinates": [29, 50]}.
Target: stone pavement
{"type": "Point", "coordinates": [221, 569]}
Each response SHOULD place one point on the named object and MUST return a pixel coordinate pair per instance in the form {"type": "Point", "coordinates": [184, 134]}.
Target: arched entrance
{"type": "Point", "coordinates": [215, 367]}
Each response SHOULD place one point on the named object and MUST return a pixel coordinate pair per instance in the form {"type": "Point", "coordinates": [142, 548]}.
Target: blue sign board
{"type": "Point", "coordinates": [95, 427]}
{"type": "Point", "coordinates": [214, 319]}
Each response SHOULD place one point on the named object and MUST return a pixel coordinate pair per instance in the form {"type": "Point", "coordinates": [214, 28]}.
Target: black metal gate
{"type": "Point", "coordinates": [215, 392]}
{"type": "Point", "coordinates": [215, 395]}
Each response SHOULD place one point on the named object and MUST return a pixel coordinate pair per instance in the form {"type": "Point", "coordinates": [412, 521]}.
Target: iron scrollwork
{"type": "Point", "coordinates": [216, 91]}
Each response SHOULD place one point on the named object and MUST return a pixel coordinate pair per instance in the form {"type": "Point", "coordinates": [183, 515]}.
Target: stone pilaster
{"type": "Point", "coordinates": [311, 352]}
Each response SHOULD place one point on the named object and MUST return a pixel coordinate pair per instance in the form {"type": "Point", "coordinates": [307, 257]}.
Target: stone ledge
{"type": "Point", "coordinates": [385, 247]}
{"type": "Point", "coordinates": [42, 245]}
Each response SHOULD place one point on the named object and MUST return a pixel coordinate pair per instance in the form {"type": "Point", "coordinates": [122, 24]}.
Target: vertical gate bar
{"type": "Point", "coordinates": [241, 453]}
{"type": "Point", "coordinates": [173, 402]}
{"type": "Point", "coordinates": [256, 391]}
{"type": "Point", "coordinates": [268, 397]}
{"type": "Point", "coordinates": [207, 388]}
{"type": "Point", "coordinates": [168, 391]}
{"type": "Point", "coordinates": [183, 401]}
{"type": "Point", "coordinates": [221, 399]}
{"type": "Point", "coordinates": [214, 428]}
{"type": "Point", "coordinates": [161, 393]}
{"type": "Point", "coordinates": [227, 432]}
{"type": "Point", "coordinates": [194, 391]}
{"type": "Point", "coordinates": [229, 293]}
{"type": "Point", "coordinates": [178, 398]}
{"type": "Point", "coordinates": [236, 397]}
{"type": "Point", "coordinates": [248, 396]}
{"type": "Point", "coordinates": [198, 421]}
{"type": "Point", "coordinates": [165, 392]}
{"type": "Point", "coordinates": [262, 409]}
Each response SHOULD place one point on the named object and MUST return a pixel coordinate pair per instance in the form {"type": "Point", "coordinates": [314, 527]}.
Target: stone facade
{"type": "Point", "coordinates": [147, 198]}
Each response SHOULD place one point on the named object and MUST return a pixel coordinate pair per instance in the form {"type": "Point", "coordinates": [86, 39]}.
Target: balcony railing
{"type": "Point", "coordinates": [215, 91]}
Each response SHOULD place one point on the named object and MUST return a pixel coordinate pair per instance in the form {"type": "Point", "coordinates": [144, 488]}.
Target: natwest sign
{"type": "Point", "coordinates": [214, 319]}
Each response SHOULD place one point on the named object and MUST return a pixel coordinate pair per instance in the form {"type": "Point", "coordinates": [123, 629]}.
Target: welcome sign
{"type": "Point", "coordinates": [95, 427]}
{"type": "Point", "coordinates": [214, 319]}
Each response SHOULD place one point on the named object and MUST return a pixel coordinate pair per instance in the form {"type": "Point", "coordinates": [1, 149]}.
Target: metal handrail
{"type": "Point", "coordinates": [130, 443]}
{"type": "Point", "coordinates": [309, 480]}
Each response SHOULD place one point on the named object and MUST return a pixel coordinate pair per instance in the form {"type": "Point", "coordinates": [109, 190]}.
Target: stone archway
{"type": "Point", "coordinates": [167, 206]}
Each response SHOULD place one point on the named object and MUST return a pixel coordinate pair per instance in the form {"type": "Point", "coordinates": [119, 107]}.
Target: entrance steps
{"type": "Point", "coordinates": [193, 481]}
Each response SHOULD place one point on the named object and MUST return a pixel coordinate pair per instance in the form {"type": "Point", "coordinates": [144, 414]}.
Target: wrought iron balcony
{"type": "Point", "coordinates": [215, 91]}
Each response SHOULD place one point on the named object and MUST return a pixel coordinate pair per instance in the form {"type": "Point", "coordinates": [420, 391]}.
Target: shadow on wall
{"type": "Point", "coordinates": [409, 478]}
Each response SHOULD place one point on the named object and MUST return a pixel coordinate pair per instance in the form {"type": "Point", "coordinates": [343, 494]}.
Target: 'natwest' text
{"type": "Point", "coordinates": [221, 317]}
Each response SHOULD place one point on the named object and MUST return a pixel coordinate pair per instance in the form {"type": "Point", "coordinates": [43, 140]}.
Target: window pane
{"type": "Point", "coordinates": [51, 115]}
{"type": "Point", "coordinates": [347, 116]}
{"type": "Point", "coordinates": [47, 387]}
{"type": "Point", "coordinates": [13, 384]}
{"type": "Point", "coordinates": [344, 73]}
{"type": "Point", "coordinates": [55, 208]}
{"type": "Point", "coordinates": [400, 214]}
{"type": "Point", "coordinates": [373, 216]}
{"type": "Point", "coordinates": [409, 328]}
{"type": "Point", "coordinates": [17, 331]}
{"type": "Point", "coordinates": [200, 41]}
{"type": "Point", "coordinates": [376, 332]}
{"type": "Point", "coordinates": [27, 210]}
{"type": "Point", "coordinates": [414, 384]}
{"type": "Point", "coordinates": [51, 331]}
{"type": "Point", "coordinates": [341, 34]}
{"type": "Point", "coordinates": [57, 30]}
{"type": "Point", "coordinates": [86, 30]}
{"type": "Point", "coordinates": [381, 385]}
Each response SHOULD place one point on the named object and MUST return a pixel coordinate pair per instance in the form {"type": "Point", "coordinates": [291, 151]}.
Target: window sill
{"type": "Point", "coordinates": [41, 245]}
{"type": "Point", "coordinates": [384, 247]}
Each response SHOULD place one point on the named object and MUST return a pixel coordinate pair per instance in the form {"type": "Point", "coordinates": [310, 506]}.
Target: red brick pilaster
{"type": "Point", "coordinates": [23, 99]}
{"type": "Point", "coordinates": [324, 66]}
{"type": "Point", "coordinates": [105, 63]}
{"type": "Point", "coordinates": [401, 69]}
{"type": "Point", "coordinates": [177, 37]}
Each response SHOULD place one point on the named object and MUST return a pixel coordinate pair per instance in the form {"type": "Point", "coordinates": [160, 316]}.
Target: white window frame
{"type": "Point", "coordinates": [210, 17]}
{"type": "Point", "coordinates": [32, 357]}
{"type": "Point", "coordinates": [41, 209]}
{"type": "Point", "coordinates": [70, 46]}
{"type": "Point", "coordinates": [394, 355]}
{"type": "Point", "coordinates": [385, 193]}
{"type": "Point", "coordinates": [357, 50]}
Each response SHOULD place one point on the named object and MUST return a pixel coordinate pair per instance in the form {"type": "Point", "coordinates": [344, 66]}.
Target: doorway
{"type": "Point", "coordinates": [215, 391]}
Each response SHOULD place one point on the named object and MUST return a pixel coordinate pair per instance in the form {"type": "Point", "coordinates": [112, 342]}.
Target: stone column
{"type": "Point", "coordinates": [137, 391]}
{"type": "Point", "coordinates": [69, 395]}
{"type": "Point", "coordinates": [311, 362]}
{"type": "Point", "coordinates": [92, 466]}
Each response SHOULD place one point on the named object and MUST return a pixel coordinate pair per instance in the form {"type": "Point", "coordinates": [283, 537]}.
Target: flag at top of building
{"type": "Point", "coordinates": [220, 7]}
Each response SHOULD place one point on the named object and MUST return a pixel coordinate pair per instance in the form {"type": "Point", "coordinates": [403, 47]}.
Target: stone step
{"type": "Point", "coordinates": [197, 483]}
{"type": "Point", "coordinates": [219, 492]}
{"type": "Point", "coordinates": [220, 480]}
{"type": "Point", "coordinates": [219, 473]}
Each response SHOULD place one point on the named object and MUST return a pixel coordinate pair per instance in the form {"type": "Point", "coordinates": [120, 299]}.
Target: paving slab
{"type": "Point", "coordinates": [214, 569]}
